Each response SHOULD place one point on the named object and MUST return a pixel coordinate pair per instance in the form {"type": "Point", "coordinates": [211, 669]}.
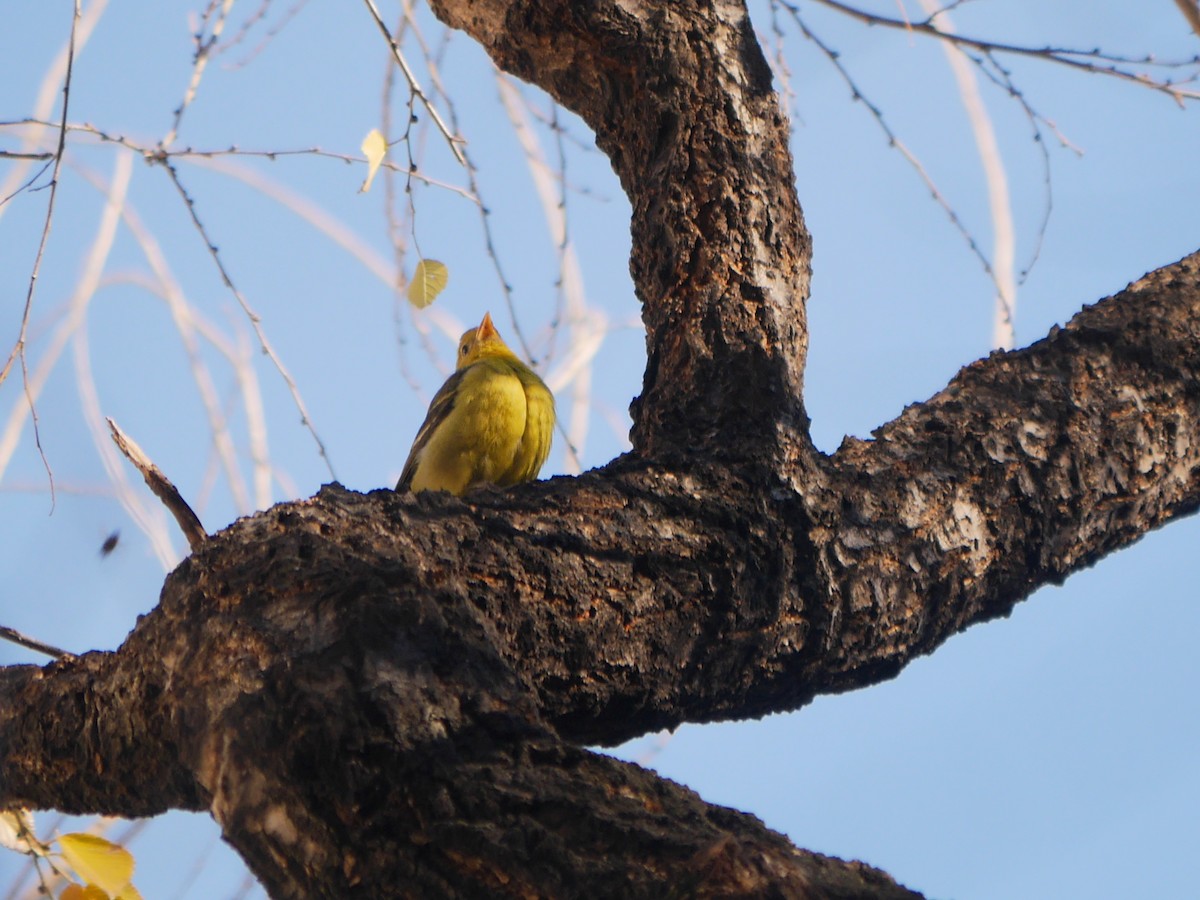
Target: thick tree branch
{"type": "Point", "coordinates": [86, 734]}
{"type": "Point", "coordinates": [351, 724]}
{"type": "Point", "coordinates": [1029, 466]}
{"type": "Point", "coordinates": [411, 671]}
{"type": "Point", "coordinates": [680, 97]}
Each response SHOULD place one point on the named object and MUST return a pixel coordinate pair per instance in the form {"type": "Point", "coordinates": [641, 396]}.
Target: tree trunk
{"type": "Point", "coordinates": [388, 695]}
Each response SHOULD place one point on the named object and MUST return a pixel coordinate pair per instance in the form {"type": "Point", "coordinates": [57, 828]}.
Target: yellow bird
{"type": "Point", "coordinates": [490, 423]}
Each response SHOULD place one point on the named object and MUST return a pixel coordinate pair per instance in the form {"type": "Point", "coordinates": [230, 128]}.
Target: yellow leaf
{"type": "Point", "coordinates": [99, 862]}
{"type": "Point", "coordinates": [87, 892]}
{"type": "Point", "coordinates": [428, 281]}
{"type": "Point", "coordinates": [130, 893]}
{"type": "Point", "coordinates": [374, 147]}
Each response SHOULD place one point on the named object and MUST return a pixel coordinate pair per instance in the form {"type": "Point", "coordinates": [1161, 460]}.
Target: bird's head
{"type": "Point", "coordinates": [480, 342]}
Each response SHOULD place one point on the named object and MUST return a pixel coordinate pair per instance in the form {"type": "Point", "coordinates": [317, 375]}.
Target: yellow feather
{"type": "Point", "coordinates": [490, 423]}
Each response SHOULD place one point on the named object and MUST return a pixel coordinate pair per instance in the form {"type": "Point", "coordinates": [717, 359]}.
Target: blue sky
{"type": "Point", "coordinates": [1050, 754]}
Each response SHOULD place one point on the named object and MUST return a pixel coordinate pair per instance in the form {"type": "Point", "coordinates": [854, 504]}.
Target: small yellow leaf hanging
{"type": "Point", "coordinates": [97, 861]}
{"type": "Point", "coordinates": [428, 281]}
{"type": "Point", "coordinates": [374, 147]}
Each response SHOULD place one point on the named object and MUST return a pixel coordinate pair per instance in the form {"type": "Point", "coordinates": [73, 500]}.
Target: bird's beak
{"type": "Point", "coordinates": [486, 329]}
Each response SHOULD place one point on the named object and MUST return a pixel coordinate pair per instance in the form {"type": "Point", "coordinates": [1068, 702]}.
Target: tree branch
{"type": "Point", "coordinates": [351, 666]}
{"type": "Point", "coordinates": [352, 726]}
{"type": "Point", "coordinates": [680, 98]}
{"type": "Point", "coordinates": [85, 734]}
{"type": "Point", "coordinates": [1029, 466]}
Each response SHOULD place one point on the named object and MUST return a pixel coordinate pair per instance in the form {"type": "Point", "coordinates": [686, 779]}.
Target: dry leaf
{"type": "Point", "coordinates": [428, 281]}
{"type": "Point", "coordinates": [374, 147]}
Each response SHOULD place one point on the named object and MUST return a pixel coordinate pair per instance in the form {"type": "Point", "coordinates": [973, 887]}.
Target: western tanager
{"type": "Point", "coordinates": [490, 423]}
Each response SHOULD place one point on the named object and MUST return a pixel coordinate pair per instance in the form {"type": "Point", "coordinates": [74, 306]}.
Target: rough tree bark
{"type": "Point", "coordinates": [388, 695]}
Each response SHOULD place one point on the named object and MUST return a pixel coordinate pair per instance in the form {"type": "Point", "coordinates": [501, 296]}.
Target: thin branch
{"type": "Point", "coordinates": [15, 637]}
{"type": "Point", "coordinates": [999, 202]}
{"type": "Point", "coordinates": [255, 320]}
{"type": "Point", "coordinates": [432, 59]}
{"type": "Point", "coordinates": [47, 91]}
{"type": "Point", "coordinates": [400, 221]}
{"type": "Point", "coordinates": [894, 141]}
{"type": "Point", "coordinates": [12, 154]}
{"type": "Point", "coordinates": [414, 156]}
{"type": "Point", "coordinates": [1095, 61]}
{"type": "Point", "coordinates": [199, 64]}
{"type": "Point", "coordinates": [489, 241]}
{"type": "Point", "coordinates": [1002, 78]}
{"type": "Point", "coordinates": [184, 316]}
{"type": "Point", "coordinates": [154, 154]}
{"type": "Point", "coordinates": [272, 32]}
{"type": "Point", "coordinates": [162, 487]}
{"type": "Point", "coordinates": [18, 350]}
{"type": "Point", "coordinates": [414, 85]}
{"type": "Point", "coordinates": [28, 183]}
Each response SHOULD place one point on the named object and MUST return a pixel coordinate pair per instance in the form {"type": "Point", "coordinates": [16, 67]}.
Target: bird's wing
{"type": "Point", "coordinates": [439, 409]}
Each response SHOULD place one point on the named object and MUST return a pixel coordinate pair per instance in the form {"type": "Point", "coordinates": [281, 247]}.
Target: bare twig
{"type": "Point", "coordinates": [15, 637]}
{"type": "Point", "coordinates": [248, 25]}
{"type": "Point", "coordinates": [189, 524]}
{"type": "Point", "coordinates": [401, 221]}
{"type": "Point", "coordinates": [48, 89]}
{"type": "Point", "coordinates": [204, 48]}
{"type": "Point", "coordinates": [1003, 237]}
{"type": "Point", "coordinates": [255, 320]}
{"type": "Point", "coordinates": [414, 154]}
{"type": "Point", "coordinates": [432, 57]}
{"type": "Point", "coordinates": [18, 351]}
{"type": "Point", "coordinates": [411, 24]}
{"type": "Point", "coordinates": [155, 154]}
{"type": "Point", "coordinates": [414, 85]}
{"type": "Point", "coordinates": [570, 275]}
{"type": "Point", "coordinates": [894, 141]}
{"type": "Point", "coordinates": [490, 244]}
{"type": "Point", "coordinates": [184, 316]}
{"type": "Point", "coordinates": [10, 154]}
{"type": "Point", "coordinates": [29, 182]}
{"type": "Point", "coordinates": [1002, 78]}
{"type": "Point", "coordinates": [1095, 61]}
